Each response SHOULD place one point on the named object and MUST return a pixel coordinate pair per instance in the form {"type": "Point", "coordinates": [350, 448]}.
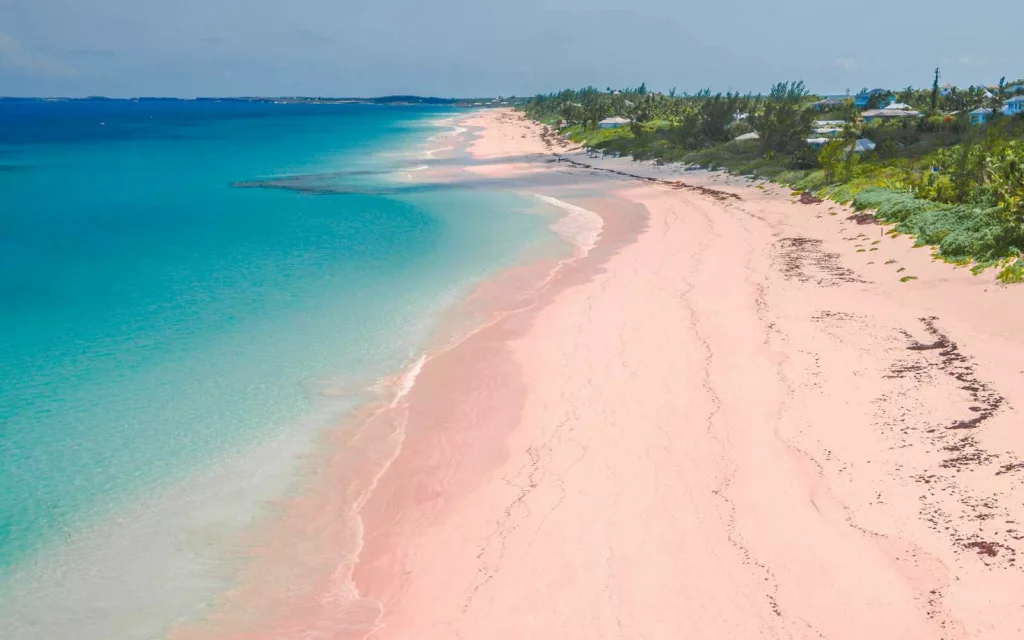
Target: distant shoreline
{"type": "Point", "coordinates": [385, 100]}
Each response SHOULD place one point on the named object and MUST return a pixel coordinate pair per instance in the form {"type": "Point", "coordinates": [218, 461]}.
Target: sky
{"type": "Point", "coordinates": [471, 48]}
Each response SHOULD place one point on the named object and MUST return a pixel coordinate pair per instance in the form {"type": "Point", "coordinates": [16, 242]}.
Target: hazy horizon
{"type": "Point", "coordinates": [455, 48]}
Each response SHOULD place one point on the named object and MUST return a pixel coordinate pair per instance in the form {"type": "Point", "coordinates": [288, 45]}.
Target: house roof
{"type": "Point", "coordinates": [863, 145]}
{"type": "Point", "coordinates": [890, 113]}
{"type": "Point", "coordinates": [897, 105]}
{"type": "Point", "coordinates": [1016, 99]}
{"type": "Point", "coordinates": [982, 110]}
{"type": "Point", "coordinates": [614, 120]}
{"type": "Point", "coordinates": [753, 135]}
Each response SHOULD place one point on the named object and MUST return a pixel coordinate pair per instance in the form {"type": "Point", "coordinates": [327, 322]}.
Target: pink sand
{"type": "Point", "coordinates": [725, 422]}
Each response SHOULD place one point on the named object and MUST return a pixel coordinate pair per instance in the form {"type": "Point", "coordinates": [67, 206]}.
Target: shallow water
{"type": "Point", "coordinates": [172, 343]}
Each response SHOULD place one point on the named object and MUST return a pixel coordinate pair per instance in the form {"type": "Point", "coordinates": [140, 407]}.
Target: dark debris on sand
{"type": "Point", "coordinates": [962, 454]}
{"type": "Point", "coordinates": [675, 184]}
{"type": "Point", "coordinates": [863, 218]}
{"type": "Point", "coordinates": [804, 260]}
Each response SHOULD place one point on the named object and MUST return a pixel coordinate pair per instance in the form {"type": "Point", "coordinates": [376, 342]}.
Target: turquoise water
{"type": "Point", "coordinates": [156, 317]}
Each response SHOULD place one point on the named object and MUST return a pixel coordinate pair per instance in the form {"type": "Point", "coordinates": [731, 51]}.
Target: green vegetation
{"type": "Point", "coordinates": [949, 183]}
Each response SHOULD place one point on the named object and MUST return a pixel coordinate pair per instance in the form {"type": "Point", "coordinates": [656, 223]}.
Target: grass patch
{"type": "Point", "coordinates": [1012, 273]}
{"type": "Point", "coordinates": [908, 278]}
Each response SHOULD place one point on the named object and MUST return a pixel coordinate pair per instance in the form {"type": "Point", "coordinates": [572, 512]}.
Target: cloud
{"type": "Point", "coordinates": [91, 53]}
{"type": "Point", "coordinates": [971, 61]}
{"type": "Point", "coordinates": [14, 58]}
{"type": "Point", "coordinates": [304, 35]}
{"type": "Point", "coordinates": [847, 64]}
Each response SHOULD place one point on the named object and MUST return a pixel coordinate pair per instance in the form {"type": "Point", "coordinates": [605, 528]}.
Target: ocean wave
{"type": "Point", "coordinates": [430, 153]}
{"type": "Point", "coordinates": [408, 379]}
{"type": "Point", "coordinates": [579, 227]}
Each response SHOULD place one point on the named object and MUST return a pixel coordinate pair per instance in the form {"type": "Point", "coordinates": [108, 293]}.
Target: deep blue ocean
{"type": "Point", "coordinates": [181, 281]}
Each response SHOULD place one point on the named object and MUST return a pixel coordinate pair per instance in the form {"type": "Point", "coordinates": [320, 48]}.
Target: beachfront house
{"type": "Point", "coordinates": [828, 104]}
{"type": "Point", "coordinates": [891, 112]}
{"type": "Point", "coordinates": [818, 143]}
{"type": "Point", "coordinates": [1014, 106]}
{"type": "Point", "coordinates": [613, 123]}
{"type": "Point", "coordinates": [862, 99]}
{"type": "Point", "coordinates": [980, 116]}
{"type": "Point", "coordinates": [863, 145]}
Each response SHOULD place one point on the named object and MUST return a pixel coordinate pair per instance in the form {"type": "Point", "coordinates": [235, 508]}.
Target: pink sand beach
{"type": "Point", "coordinates": [730, 418]}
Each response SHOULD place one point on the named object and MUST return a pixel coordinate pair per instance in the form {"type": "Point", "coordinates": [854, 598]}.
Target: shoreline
{"type": "Point", "coordinates": [272, 472]}
{"type": "Point", "coordinates": [732, 418]}
{"type": "Point", "coordinates": [376, 436]}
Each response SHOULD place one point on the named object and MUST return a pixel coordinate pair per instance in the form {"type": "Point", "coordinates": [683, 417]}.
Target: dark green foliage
{"type": "Point", "coordinates": [880, 99]}
{"type": "Point", "coordinates": [954, 185]}
{"type": "Point", "coordinates": [784, 121]}
{"type": "Point", "coordinates": [961, 232]}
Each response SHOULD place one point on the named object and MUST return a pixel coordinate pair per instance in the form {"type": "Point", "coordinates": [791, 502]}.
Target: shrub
{"type": "Point", "coordinates": [962, 233]}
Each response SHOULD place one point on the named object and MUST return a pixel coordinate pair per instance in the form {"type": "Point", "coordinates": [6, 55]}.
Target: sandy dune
{"type": "Point", "coordinates": [731, 420]}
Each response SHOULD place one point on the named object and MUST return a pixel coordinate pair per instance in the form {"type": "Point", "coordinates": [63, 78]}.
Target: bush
{"type": "Point", "coordinates": [962, 233]}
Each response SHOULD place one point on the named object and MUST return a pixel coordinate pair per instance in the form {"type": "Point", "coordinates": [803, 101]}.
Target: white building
{"type": "Point", "coordinates": [863, 145]}
{"type": "Point", "coordinates": [613, 123]}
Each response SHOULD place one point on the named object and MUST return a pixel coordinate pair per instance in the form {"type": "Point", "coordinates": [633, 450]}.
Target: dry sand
{"type": "Point", "coordinates": [734, 423]}
{"type": "Point", "coordinates": [729, 420]}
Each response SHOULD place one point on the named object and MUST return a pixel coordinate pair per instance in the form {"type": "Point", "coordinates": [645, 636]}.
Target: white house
{"type": "Point", "coordinates": [863, 145]}
{"type": "Point", "coordinates": [818, 143]}
{"type": "Point", "coordinates": [1014, 106]}
{"type": "Point", "coordinates": [613, 123]}
{"type": "Point", "coordinates": [946, 89]}
{"type": "Point", "coordinates": [753, 135]}
{"type": "Point", "coordinates": [889, 114]}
